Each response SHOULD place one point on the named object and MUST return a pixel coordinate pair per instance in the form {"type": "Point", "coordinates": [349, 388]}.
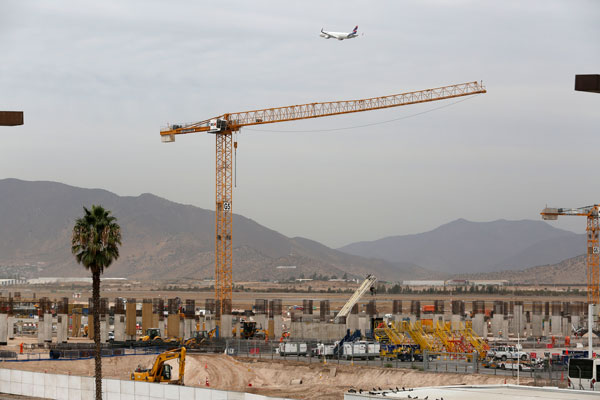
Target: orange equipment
{"type": "Point", "coordinates": [224, 126]}
{"type": "Point", "coordinates": [593, 248]}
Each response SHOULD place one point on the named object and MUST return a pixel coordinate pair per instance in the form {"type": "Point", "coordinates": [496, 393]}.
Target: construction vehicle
{"type": "Point", "coordinates": [162, 372]}
{"type": "Point", "coordinates": [362, 289]}
{"type": "Point", "coordinates": [248, 330]}
{"type": "Point", "coordinates": [225, 126]}
{"type": "Point", "coordinates": [198, 339]}
{"type": "Point", "coordinates": [153, 336]}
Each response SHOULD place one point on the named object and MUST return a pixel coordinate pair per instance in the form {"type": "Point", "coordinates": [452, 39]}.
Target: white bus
{"type": "Point", "coordinates": [584, 373]}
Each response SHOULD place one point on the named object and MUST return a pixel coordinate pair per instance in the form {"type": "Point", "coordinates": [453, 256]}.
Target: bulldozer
{"type": "Point", "coordinates": [197, 340]}
{"type": "Point", "coordinates": [161, 372]}
{"type": "Point", "coordinates": [153, 335]}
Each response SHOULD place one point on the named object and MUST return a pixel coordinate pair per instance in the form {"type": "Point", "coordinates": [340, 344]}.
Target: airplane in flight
{"type": "Point", "coordinates": [340, 35]}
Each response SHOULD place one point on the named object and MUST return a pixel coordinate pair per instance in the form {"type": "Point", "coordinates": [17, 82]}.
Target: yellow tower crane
{"type": "Point", "coordinates": [224, 126]}
{"type": "Point", "coordinates": [593, 249]}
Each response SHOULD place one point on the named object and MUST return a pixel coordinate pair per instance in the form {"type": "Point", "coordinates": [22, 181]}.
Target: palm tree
{"type": "Point", "coordinates": [95, 241]}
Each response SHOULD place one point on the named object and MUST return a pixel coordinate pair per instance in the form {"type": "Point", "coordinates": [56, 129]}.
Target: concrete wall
{"type": "Point", "coordinates": [68, 387]}
{"type": "Point", "coordinates": [309, 330]}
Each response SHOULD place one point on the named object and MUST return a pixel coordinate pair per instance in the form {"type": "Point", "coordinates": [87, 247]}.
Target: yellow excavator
{"type": "Point", "coordinates": [161, 372]}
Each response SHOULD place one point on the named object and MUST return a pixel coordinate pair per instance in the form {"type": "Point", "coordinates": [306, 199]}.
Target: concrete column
{"type": "Point", "coordinates": [130, 320]}
{"type": "Point", "coordinates": [161, 326]}
{"type": "Point", "coordinates": [363, 323]}
{"type": "Point", "coordinates": [48, 328]}
{"type": "Point", "coordinates": [120, 334]}
{"type": "Point", "coordinates": [41, 328]}
{"type": "Point", "coordinates": [455, 322]}
{"type": "Point", "coordinates": [10, 319]}
{"type": "Point", "coordinates": [277, 325]}
{"type": "Point", "coordinates": [146, 315]}
{"type": "Point", "coordinates": [103, 329]}
{"type": "Point", "coordinates": [352, 322]}
{"type": "Point", "coordinates": [519, 320]}
{"type": "Point", "coordinates": [188, 328]}
{"type": "Point", "coordinates": [556, 325]}
{"type": "Point", "coordinates": [59, 331]}
{"type": "Point", "coordinates": [478, 324]}
{"type": "Point", "coordinates": [3, 329]}
{"type": "Point", "coordinates": [505, 328]}
{"type": "Point", "coordinates": [173, 326]}
{"type": "Point", "coordinates": [536, 325]}
{"type": "Point", "coordinates": [574, 321]}
{"type": "Point", "coordinates": [11, 326]}
{"type": "Point", "coordinates": [210, 324]}
{"type": "Point", "coordinates": [226, 326]}
{"type": "Point", "coordinates": [566, 326]}
{"type": "Point", "coordinates": [261, 321]}
{"type": "Point", "coordinates": [497, 322]}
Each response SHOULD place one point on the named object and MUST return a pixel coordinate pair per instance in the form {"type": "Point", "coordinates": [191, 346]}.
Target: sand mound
{"type": "Point", "coordinates": [267, 377]}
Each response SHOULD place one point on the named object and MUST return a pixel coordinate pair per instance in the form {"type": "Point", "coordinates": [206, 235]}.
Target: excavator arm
{"type": "Point", "coordinates": [156, 373]}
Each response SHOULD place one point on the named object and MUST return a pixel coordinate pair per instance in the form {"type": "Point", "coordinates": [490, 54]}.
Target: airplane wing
{"type": "Point", "coordinates": [325, 34]}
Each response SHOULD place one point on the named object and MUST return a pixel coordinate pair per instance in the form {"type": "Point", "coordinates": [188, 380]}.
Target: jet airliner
{"type": "Point", "coordinates": [340, 35]}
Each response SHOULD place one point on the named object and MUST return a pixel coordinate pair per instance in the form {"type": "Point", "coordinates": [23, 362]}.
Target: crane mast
{"type": "Point", "coordinates": [593, 246]}
{"type": "Point", "coordinates": [224, 126]}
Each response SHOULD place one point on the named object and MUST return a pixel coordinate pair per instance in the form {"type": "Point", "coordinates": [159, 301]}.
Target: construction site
{"type": "Point", "coordinates": [278, 337]}
{"type": "Point", "coordinates": [275, 348]}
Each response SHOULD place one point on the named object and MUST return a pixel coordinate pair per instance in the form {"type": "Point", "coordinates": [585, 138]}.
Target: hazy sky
{"type": "Point", "coordinates": [97, 81]}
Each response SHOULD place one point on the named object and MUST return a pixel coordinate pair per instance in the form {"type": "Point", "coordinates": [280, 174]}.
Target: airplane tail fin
{"type": "Point", "coordinates": [355, 29]}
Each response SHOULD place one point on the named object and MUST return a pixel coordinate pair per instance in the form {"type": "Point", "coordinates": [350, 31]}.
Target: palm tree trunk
{"type": "Point", "coordinates": [96, 313]}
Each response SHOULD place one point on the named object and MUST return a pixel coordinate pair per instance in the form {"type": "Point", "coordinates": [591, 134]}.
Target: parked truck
{"type": "Point", "coordinates": [361, 349]}
{"type": "Point", "coordinates": [507, 353]}
{"type": "Point", "coordinates": [292, 349]}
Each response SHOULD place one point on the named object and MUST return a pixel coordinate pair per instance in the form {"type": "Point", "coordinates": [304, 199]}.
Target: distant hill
{"type": "Point", "coordinates": [570, 271]}
{"type": "Point", "coordinates": [162, 239]}
{"type": "Point", "coordinates": [463, 246]}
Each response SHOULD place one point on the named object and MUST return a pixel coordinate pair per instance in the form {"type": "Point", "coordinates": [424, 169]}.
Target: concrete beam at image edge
{"type": "Point", "coordinates": [11, 118]}
{"type": "Point", "coordinates": [587, 83]}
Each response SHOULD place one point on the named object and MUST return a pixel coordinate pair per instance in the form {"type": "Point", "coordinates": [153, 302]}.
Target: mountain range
{"type": "Point", "coordinates": [166, 240]}
{"type": "Point", "coordinates": [463, 246]}
{"type": "Point", "coordinates": [162, 239]}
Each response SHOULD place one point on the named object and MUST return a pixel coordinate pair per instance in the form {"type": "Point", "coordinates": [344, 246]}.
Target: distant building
{"type": "Point", "coordinates": [11, 282]}
{"type": "Point", "coordinates": [488, 282]}
{"type": "Point", "coordinates": [49, 280]}
{"type": "Point", "coordinates": [423, 283]}
{"type": "Point", "coordinates": [457, 282]}
{"type": "Point", "coordinates": [286, 267]}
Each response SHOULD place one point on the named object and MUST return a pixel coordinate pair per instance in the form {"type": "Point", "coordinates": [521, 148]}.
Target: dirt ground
{"type": "Point", "coordinates": [267, 377]}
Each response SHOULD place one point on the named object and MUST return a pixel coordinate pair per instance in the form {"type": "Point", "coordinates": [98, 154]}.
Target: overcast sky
{"type": "Point", "coordinates": [97, 81]}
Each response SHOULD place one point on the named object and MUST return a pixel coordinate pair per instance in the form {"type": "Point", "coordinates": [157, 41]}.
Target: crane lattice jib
{"type": "Point", "coordinates": [324, 109]}
{"type": "Point", "coordinates": [593, 244]}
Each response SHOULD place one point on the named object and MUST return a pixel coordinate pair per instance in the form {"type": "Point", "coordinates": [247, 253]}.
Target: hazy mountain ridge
{"type": "Point", "coordinates": [570, 271]}
{"type": "Point", "coordinates": [162, 239]}
{"type": "Point", "coordinates": [463, 246]}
